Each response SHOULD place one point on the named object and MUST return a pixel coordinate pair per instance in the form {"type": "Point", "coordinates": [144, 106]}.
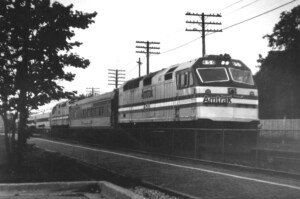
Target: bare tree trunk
{"type": "Point", "coordinates": [7, 142]}
{"type": "Point", "coordinates": [21, 136]}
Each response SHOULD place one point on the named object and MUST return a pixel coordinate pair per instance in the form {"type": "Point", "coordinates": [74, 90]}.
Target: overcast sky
{"type": "Point", "coordinates": [110, 43]}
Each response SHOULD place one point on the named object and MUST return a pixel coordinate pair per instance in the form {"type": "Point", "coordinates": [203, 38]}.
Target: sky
{"type": "Point", "coordinates": [110, 42]}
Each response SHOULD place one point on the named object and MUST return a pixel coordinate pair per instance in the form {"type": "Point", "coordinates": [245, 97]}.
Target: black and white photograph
{"type": "Point", "coordinates": [160, 99]}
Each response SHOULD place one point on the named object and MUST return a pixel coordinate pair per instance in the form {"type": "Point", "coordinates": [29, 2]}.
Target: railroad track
{"type": "Point", "coordinates": [149, 190]}
{"type": "Point", "coordinates": [229, 165]}
{"type": "Point", "coordinates": [180, 174]}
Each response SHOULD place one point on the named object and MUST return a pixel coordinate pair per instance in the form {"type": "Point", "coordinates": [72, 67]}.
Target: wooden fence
{"type": "Point", "coordinates": [284, 129]}
{"type": "Point", "coordinates": [282, 124]}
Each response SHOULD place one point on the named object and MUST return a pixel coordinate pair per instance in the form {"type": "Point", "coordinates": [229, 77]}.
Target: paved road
{"type": "Point", "coordinates": [197, 180]}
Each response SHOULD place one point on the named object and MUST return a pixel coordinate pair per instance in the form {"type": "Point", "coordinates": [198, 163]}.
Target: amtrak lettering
{"type": "Point", "coordinates": [217, 100]}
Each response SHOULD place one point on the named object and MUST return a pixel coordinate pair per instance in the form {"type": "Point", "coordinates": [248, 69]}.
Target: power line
{"type": "Point", "coordinates": [244, 6]}
{"type": "Point", "coordinates": [131, 70]}
{"type": "Point", "coordinates": [229, 5]}
{"type": "Point", "coordinates": [181, 45]}
{"type": "Point", "coordinates": [180, 30]}
{"type": "Point", "coordinates": [258, 15]}
{"type": "Point", "coordinates": [187, 43]}
{"type": "Point", "coordinates": [148, 48]}
{"type": "Point", "coordinates": [232, 25]}
{"type": "Point", "coordinates": [94, 91]}
{"type": "Point", "coordinates": [118, 77]}
{"type": "Point", "coordinates": [183, 29]}
{"type": "Point", "coordinates": [203, 25]}
{"type": "Point", "coordinates": [249, 4]}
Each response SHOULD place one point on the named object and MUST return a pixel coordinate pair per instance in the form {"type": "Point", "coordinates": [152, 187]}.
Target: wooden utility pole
{"type": "Point", "coordinates": [94, 91]}
{"type": "Point", "coordinates": [203, 24]}
{"type": "Point", "coordinates": [118, 77]}
{"type": "Point", "coordinates": [147, 52]}
{"type": "Point", "coordinates": [140, 63]}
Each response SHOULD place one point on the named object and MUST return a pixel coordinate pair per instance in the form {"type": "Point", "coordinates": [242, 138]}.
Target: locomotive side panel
{"type": "Point", "coordinates": [186, 92]}
{"type": "Point", "coordinates": [155, 98]}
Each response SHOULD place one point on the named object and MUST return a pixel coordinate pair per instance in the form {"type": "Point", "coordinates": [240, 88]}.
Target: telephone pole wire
{"type": "Point", "coordinates": [147, 52]}
{"type": "Point", "coordinates": [118, 77]}
{"type": "Point", "coordinates": [203, 24]}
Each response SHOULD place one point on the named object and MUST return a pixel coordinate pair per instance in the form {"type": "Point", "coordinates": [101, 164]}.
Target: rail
{"type": "Point", "coordinates": [208, 145]}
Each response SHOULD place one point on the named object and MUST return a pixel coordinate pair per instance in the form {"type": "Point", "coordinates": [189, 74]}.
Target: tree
{"type": "Point", "coordinates": [286, 33]}
{"type": "Point", "coordinates": [279, 76]}
{"type": "Point", "coordinates": [36, 43]}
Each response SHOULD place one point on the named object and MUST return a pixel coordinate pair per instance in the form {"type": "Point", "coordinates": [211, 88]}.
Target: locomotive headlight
{"type": "Point", "coordinates": [252, 93]}
{"type": "Point", "coordinates": [224, 62]}
{"type": "Point", "coordinates": [207, 91]}
{"type": "Point", "coordinates": [231, 91]}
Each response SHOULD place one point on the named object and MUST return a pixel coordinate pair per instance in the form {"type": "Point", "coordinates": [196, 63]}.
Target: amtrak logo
{"type": "Point", "coordinates": [217, 100]}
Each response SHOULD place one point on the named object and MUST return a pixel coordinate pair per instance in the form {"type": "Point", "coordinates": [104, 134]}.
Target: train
{"type": "Point", "coordinates": [39, 122]}
{"type": "Point", "coordinates": [211, 92]}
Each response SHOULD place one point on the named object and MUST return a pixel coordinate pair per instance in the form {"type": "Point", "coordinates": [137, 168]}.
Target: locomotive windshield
{"type": "Point", "coordinates": [208, 75]}
{"type": "Point", "coordinates": [241, 76]}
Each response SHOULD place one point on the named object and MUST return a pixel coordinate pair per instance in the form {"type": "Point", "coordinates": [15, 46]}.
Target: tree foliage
{"type": "Point", "coordinates": [36, 43]}
{"type": "Point", "coordinates": [286, 33]}
{"type": "Point", "coordinates": [35, 48]}
{"type": "Point", "coordinates": [279, 76]}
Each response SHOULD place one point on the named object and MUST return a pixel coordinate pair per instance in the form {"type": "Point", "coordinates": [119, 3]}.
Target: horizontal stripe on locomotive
{"type": "Point", "coordinates": [42, 119]}
{"type": "Point", "coordinates": [192, 102]}
{"type": "Point", "coordinates": [192, 96]}
{"type": "Point", "coordinates": [224, 90]}
{"type": "Point", "coordinates": [60, 117]}
{"type": "Point", "coordinates": [92, 127]}
{"type": "Point", "coordinates": [142, 109]}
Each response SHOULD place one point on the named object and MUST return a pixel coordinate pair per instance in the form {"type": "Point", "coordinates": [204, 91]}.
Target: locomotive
{"type": "Point", "coordinates": [208, 92]}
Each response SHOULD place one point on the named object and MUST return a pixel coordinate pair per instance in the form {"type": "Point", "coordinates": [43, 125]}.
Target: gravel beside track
{"type": "Point", "coordinates": [197, 180]}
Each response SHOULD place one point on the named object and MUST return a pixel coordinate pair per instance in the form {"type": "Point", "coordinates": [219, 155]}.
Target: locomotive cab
{"type": "Point", "coordinates": [223, 71]}
{"type": "Point", "coordinates": [227, 89]}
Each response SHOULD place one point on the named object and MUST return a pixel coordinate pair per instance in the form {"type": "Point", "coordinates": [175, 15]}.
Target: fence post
{"type": "Point", "coordinates": [195, 144]}
{"type": "Point", "coordinates": [172, 142]}
{"type": "Point", "coordinates": [223, 145]}
{"type": "Point", "coordinates": [258, 135]}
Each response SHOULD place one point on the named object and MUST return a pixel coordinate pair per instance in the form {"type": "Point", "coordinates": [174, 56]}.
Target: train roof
{"type": "Point", "coordinates": [220, 60]}
{"type": "Point", "coordinates": [101, 97]}
{"type": "Point", "coordinates": [62, 104]}
{"type": "Point", "coordinates": [166, 73]}
{"type": "Point", "coordinates": [156, 77]}
{"type": "Point", "coordinates": [39, 115]}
